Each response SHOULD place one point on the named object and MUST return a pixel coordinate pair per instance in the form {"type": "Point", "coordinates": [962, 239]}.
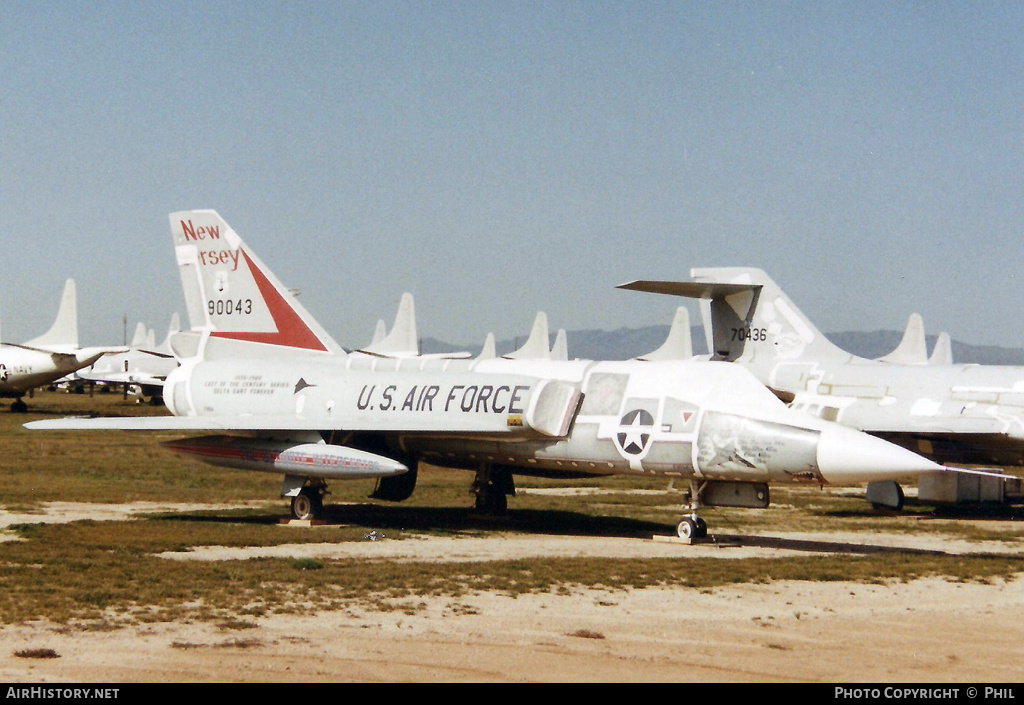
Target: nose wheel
{"type": "Point", "coordinates": [693, 527]}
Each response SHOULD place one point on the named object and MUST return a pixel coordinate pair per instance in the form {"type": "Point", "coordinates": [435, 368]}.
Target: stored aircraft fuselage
{"type": "Point", "coordinates": [670, 418]}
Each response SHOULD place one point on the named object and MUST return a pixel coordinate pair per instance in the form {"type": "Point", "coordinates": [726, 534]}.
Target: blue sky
{"type": "Point", "coordinates": [496, 159]}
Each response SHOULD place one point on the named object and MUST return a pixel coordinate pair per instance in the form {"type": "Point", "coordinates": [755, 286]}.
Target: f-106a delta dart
{"type": "Point", "coordinates": [282, 396]}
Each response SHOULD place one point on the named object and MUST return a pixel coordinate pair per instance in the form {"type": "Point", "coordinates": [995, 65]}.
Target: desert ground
{"type": "Point", "coordinates": [929, 630]}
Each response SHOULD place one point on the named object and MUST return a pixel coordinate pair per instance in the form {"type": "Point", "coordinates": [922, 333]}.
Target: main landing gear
{"type": "Point", "coordinates": [693, 527]}
{"type": "Point", "coordinates": [492, 488]}
{"type": "Point", "coordinates": [308, 504]}
{"type": "Point", "coordinates": [19, 406]}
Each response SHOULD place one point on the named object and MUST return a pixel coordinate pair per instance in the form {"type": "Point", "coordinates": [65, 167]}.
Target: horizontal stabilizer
{"type": "Point", "coordinates": [689, 289]}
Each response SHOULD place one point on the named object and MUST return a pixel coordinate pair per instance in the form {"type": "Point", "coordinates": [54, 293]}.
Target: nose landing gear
{"type": "Point", "coordinates": [693, 527]}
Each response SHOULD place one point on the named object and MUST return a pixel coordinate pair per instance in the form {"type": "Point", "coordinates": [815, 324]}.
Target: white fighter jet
{"type": "Point", "coordinates": [48, 358]}
{"type": "Point", "coordinates": [956, 413]}
{"type": "Point", "coordinates": [282, 396]}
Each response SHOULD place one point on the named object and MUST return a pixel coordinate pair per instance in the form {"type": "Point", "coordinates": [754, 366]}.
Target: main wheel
{"type": "Point", "coordinates": [307, 505]}
{"type": "Point", "coordinates": [491, 501]}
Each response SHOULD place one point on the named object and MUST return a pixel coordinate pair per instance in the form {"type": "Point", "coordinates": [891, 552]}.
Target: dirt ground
{"type": "Point", "coordinates": [929, 630]}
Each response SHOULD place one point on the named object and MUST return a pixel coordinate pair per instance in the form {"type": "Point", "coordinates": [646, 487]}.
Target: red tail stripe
{"type": "Point", "coordinates": [292, 331]}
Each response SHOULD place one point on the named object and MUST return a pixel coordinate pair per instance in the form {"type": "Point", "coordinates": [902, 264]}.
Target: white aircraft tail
{"type": "Point", "coordinates": [379, 333]}
{"type": "Point", "coordinates": [139, 336]}
{"type": "Point", "coordinates": [679, 344]}
{"type": "Point", "coordinates": [912, 350]}
{"type": "Point", "coordinates": [942, 353]}
{"type": "Point", "coordinates": [487, 352]}
{"type": "Point", "coordinates": [401, 340]}
{"type": "Point", "coordinates": [172, 329]}
{"type": "Point", "coordinates": [232, 296]}
{"type": "Point", "coordinates": [63, 334]}
{"type": "Point", "coordinates": [748, 318]}
{"type": "Point", "coordinates": [560, 348]}
{"type": "Point", "coordinates": [536, 346]}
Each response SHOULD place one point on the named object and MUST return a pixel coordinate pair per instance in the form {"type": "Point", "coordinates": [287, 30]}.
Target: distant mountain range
{"type": "Point", "coordinates": [626, 343]}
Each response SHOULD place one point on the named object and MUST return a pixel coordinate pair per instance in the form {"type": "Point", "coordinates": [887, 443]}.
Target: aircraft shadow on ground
{"type": "Point", "coordinates": [533, 522]}
{"type": "Point", "coordinates": [818, 545]}
{"type": "Point", "coordinates": [454, 519]}
{"type": "Point", "coordinates": [540, 523]}
{"type": "Point", "coordinates": [973, 512]}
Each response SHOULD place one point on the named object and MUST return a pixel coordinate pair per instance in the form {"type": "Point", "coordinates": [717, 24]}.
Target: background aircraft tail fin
{"type": "Point", "coordinates": [139, 336]}
{"type": "Point", "coordinates": [762, 324]}
{"type": "Point", "coordinates": [748, 318]}
{"type": "Point", "coordinates": [560, 348]}
{"type": "Point", "coordinates": [942, 353]}
{"type": "Point", "coordinates": [63, 334]}
{"type": "Point", "coordinates": [232, 295]}
{"type": "Point", "coordinates": [536, 346]}
{"type": "Point", "coordinates": [678, 345]}
{"type": "Point", "coordinates": [912, 350]}
{"type": "Point", "coordinates": [401, 340]}
{"type": "Point", "coordinates": [487, 352]}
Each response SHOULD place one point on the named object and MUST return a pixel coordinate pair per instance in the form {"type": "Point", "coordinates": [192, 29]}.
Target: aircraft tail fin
{"type": "Point", "coordinates": [139, 336]}
{"type": "Point", "coordinates": [232, 296]}
{"type": "Point", "coordinates": [560, 349]}
{"type": "Point", "coordinates": [536, 346]}
{"type": "Point", "coordinates": [679, 344]}
{"type": "Point", "coordinates": [379, 333]}
{"type": "Point", "coordinates": [173, 328]}
{"type": "Point", "coordinates": [942, 353]}
{"type": "Point", "coordinates": [401, 340]}
{"type": "Point", "coordinates": [912, 350]}
{"type": "Point", "coordinates": [748, 318]}
{"type": "Point", "coordinates": [487, 352]}
{"type": "Point", "coordinates": [63, 334]}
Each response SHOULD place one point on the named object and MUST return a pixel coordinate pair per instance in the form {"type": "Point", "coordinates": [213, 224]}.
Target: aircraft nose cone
{"type": "Point", "coordinates": [848, 456]}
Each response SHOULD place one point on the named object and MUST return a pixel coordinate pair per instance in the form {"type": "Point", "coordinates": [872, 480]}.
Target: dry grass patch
{"type": "Point", "coordinates": [36, 653]}
{"type": "Point", "coordinates": [586, 634]}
